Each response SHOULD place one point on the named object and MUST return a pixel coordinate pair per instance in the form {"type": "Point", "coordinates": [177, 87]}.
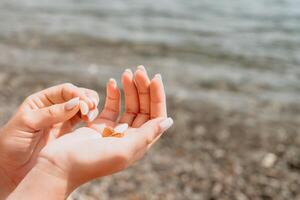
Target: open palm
{"type": "Point", "coordinates": [84, 154]}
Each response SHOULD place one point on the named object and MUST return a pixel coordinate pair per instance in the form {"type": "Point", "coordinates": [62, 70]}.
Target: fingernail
{"type": "Point", "coordinates": [158, 76]}
{"type": "Point", "coordinates": [84, 108]}
{"type": "Point", "coordinates": [95, 101]}
{"type": "Point", "coordinates": [166, 124]}
{"type": "Point", "coordinates": [72, 103]}
{"type": "Point", "coordinates": [128, 70]}
{"type": "Point", "coordinates": [121, 128]}
{"type": "Point", "coordinates": [141, 67]}
{"type": "Point", "coordinates": [113, 81]}
{"type": "Point", "coordinates": [92, 115]}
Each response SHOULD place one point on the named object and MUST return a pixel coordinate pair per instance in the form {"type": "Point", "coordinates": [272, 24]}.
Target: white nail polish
{"type": "Point", "coordinates": [72, 103]}
{"type": "Point", "coordinates": [84, 108]}
{"type": "Point", "coordinates": [128, 70]}
{"type": "Point", "coordinates": [121, 128]}
{"type": "Point", "coordinates": [141, 67]}
{"type": "Point", "coordinates": [112, 80]}
{"type": "Point", "coordinates": [95, 101]}
{"type": "Point", "coordinates": [166, 124]}
{"type": "Point", "coordinates": [158, 76]}
{"type": "Point", "coordinates": [93, 114]}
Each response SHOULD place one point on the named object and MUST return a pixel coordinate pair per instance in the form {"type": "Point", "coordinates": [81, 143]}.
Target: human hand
{"type": "Point", "coordinates": [83, 155]}
{"type": "Point", "coordinates": [42, 117]}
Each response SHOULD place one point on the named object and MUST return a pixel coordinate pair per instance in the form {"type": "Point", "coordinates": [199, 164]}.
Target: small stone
{"type": "Point", "coordinates": [121, 128]}
{"type": "Point", "coordinates": [269, 160]}
{"type": "Point", "coordinates": [118, 135]}
{"type": "Point", "coordinates": [107, 132]}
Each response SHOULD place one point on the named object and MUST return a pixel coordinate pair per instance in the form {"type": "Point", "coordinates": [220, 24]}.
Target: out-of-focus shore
{"type": "Point", "coordinates": [231, 74]}
{"type": "Point", "coordinates": [214, 151]}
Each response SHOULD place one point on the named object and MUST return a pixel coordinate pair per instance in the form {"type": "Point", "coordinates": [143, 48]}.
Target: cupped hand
{"type": "Point", "coordinates": [42, 117]}
{"type": "Point", "coordinates": [84, 154]}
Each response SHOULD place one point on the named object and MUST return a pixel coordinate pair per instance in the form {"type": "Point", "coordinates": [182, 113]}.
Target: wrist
{"type": "Point", "coordinates": [42, 183]}
{"type": "Point", "coordinates": [6, 184]}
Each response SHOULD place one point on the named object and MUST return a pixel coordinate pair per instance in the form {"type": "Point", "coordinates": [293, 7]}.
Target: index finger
{"type": "Point", "coordinates": [59, 94]}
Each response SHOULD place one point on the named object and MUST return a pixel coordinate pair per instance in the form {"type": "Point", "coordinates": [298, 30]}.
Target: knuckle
{"type": "Point", "coordinates": [28, 120]}
{"type": "Point", "coordinates": [69, 87]}
{"type": "Point", "coordinates": [51, 112]}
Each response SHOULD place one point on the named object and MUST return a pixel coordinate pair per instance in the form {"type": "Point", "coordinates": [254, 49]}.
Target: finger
{"type": "Point", "coordinates": [131, 98]}
{"type": "Point", "coordinates": [92, 95]}
{"type": "Point", "coordinates": [45, 117]}
{"type": "Point", "coordinates": [158, 107]}
{"type": "Point", "coordinates": [149, 131]}
{"type": "Point", "coordinates": [92, 112]}
{"type": "Point", "coordinates": [58, 94]}
{"type": "Point", "coordinates": [143, 86]}
{"type": "Point", "coordinates": [112, 103]}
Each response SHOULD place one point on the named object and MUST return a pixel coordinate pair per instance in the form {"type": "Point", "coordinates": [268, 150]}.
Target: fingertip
{"type": "Point", "coordinates": [95, 102]}
{"type": "Point", "coordinates": [158, 77]}
{"type": "Point", "coordinates": [71, 104]}
{"type": "Point", "coordinates": [128, 71]}
{"type": "Point", "coordinates": [84, 108]}
{"type": "Point", "coordinates": [112, 89]}
{"type": "Point", "coordinates": [141, 77]}
{"type": "Point", "coordinates": [166, 124]}
{"type": "Point", "coordinates": [142, 68]}
{"type": "Point", "coordinates": [112, 82]}
{"type": "Point", "coordinates": [138, 73]}
{"type": "Point", "coordinates": [157, 88]}
{"type": "Point", "coordinates": [92, 115]}
{"type": "Point", "coordinates": [127, 76]}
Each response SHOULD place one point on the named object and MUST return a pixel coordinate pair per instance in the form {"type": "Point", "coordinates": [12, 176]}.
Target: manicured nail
{"type": "Point", "coordinates": [158, 76]}
{"type": "Point", "coordinates": [92, 115]}
{"type": "Point", "coordinates": [113, 81]}
{"type": "Point", "coordinates": [84, 108]}
{"type": "Point", "coordinates": [121, 128]}
{"type": "Point", "coordinates": [166, 124]}
{"type": "Point", "coordinates": [95, 101]}
{"type": "Point", "coordinates": [128, 70]}
{"type": "Point", "coordinates": [141, 67]}
{"type": "Point", "coordinates": [72, 103]}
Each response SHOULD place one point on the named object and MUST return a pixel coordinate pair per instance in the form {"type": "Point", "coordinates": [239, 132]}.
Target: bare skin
{"type": "Point", "coordinates": [82, 155]}
{"type": "Point", "coordinates": [42, 117]}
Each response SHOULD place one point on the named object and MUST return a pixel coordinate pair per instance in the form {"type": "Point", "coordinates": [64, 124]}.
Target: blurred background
{"type": "Point", "coordinates": [232, 74]}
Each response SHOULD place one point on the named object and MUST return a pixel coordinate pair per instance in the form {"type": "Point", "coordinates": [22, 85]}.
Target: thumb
{"type": "Point", "coordinates": [54, 114]}
{"type": "Point", "coordinates": [149, 131]}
